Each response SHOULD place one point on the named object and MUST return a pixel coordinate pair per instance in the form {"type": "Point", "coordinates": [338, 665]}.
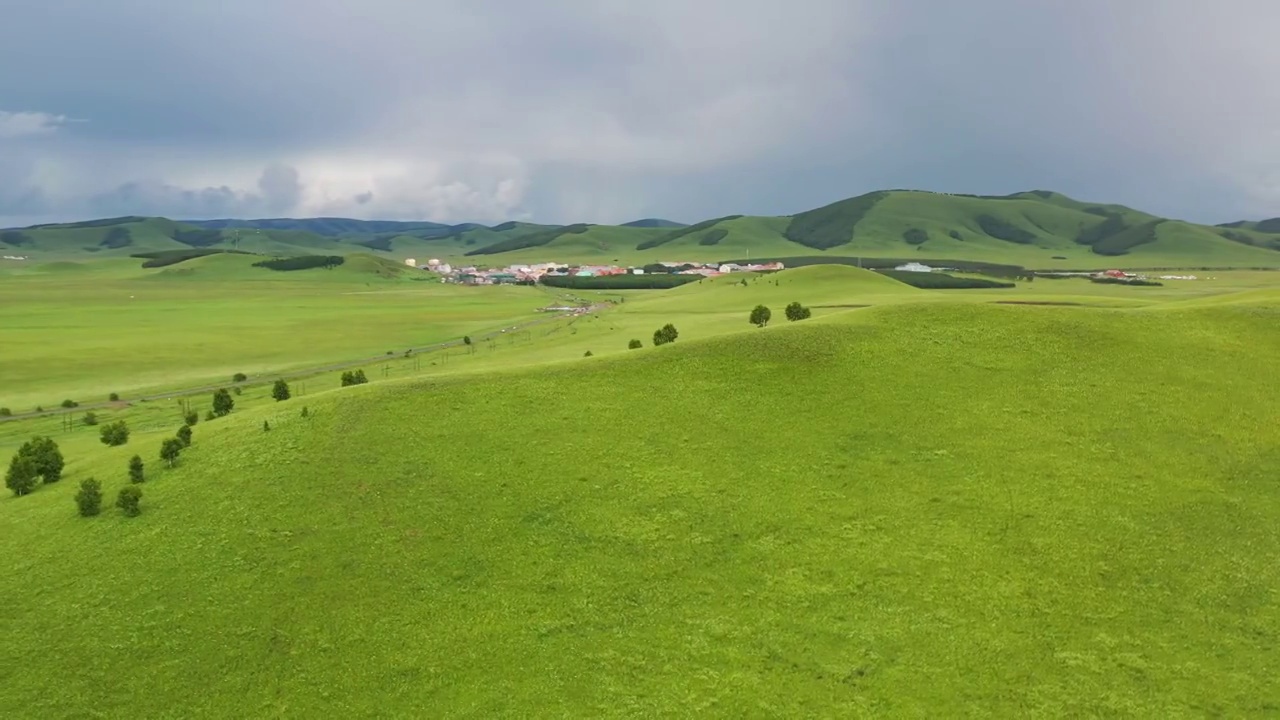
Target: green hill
{"type": "Point", "coordinates": [929, 509]}
{"type": "Point", "coordinates": [1037, 229]}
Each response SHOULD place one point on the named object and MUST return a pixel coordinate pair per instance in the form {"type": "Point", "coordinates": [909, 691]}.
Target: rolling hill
{"type": "Point", "coordinates": [920, 509]}
{"type": "Point", "coordinates": [1038, 229]}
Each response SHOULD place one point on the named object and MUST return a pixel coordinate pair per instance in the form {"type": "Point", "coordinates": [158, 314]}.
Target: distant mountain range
{"type": "Point", "coordinates": [1039, 229]}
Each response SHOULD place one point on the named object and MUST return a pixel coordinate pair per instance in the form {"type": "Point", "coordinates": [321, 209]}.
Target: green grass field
{"type": "Point", "coordinates": [1051, 500]}
{"type": "Point", "coordinates": [83, 330]}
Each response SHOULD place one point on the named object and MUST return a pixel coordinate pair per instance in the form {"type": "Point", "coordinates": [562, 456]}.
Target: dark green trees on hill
{"type": "Point", "coordinates": [38, 459]}
{"type": "Point", "coordinates": [760, 316]}
{"type": "Point", "coordinates": [666, 334]}
{"type": "Point", "coordinates": [136, 470]}
{"type": "Point", "coordinates": [170, 450]}
{"type": "Point", "coordinates": [222, 403]}
{"type": "Point", "coordinates": [128, 500]}
{"type": "Point", "coordinates": [115, 434]}
{"type": "Point", "coordinates": [280, 391]}
{"type": "Point", "coordinates": [354, 378]}
{"type": "Point", "coordinates": [795, 311]}
{"type": "Point", "coordinates": [89, 499]}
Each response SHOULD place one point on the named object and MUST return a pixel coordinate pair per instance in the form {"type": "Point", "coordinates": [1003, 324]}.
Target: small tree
{"type": "Point", "coordinates": [760, 316]}
{"type": "Point", "coordinates": [586, 354]}
{"type": "Point", "coordinates": [466, 339]}
{"type": "Point", "coordinates": [70, 404]}
{"type": "Point", "coordinates": [280, 391]}
{"type": "Point", "coordinates": [115, 434]}
{"type": "Point", "coordinates": [46, 457]}
{"type": "Point", "coordinates": [795, 311]}
{"type": "Point", "coordinates": [5, 412]}
{"type": "Point", "coordinates": [266, 426]}
{"type": "Point", "coordinates": [666, 334]}
{"type": "Point", "coordinates": [191, 418]}
{"type": "Point", "coordinates": [90, 419]}
{"type": "Point", "coordinates": [222, 403]}
{"type": "Point", "coordinates": [635, 345]}
{"type": "Point", "coordinates": [184, 435]}
{"type": "Point", "coordinates": [21, 477]}
{"type": "Point", "coordinates": [128, 499]}
{"type": "Point", "coordinates": [305, 412]}
{"type": "Point", "coordinates": [89, 499]}
{"type": "Point", "coordinates": [136, 470]}
{"type": "Point", "coordinates": [239, 377]}
{"type": "Point", "coordinates": [170, 450]}
{"type": "Point", "coordinates": [114, 397]}
{"type": "Point", "coordinates": [237, 390]}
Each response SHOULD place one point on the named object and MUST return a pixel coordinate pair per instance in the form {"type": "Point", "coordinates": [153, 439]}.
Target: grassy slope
{"type": "Point", "coordinates": [84, 330]}
{"type": "Point", "coordinates": [936, 509]}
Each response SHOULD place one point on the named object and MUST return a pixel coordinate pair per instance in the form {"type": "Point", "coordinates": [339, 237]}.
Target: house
{"type": "Point", "coordinates": [411, 262]}
{"type": "Point", "coordinates": [914, 267]}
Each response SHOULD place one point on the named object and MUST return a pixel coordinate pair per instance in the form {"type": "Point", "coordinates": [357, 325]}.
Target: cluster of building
{"type": "Point", "coordinates": [15, 257]}
{"type": "Point", "coordinates": [526, 274]}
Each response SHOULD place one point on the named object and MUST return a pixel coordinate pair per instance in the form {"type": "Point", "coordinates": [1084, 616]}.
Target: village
{"type": "Point", "coordinates": [528, 274]}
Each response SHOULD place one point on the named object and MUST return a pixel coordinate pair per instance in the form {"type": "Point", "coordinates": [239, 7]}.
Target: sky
{"type": "Point", "coordinates": [606, 111]}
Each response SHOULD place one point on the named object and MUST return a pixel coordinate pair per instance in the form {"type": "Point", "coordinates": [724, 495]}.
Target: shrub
{"type": "Point", "coordinates": [210, 416]}
{"type": "Point", "coordinates": [39, 458]}
{"type": "Point", "coordinates": [114, 397]}
{"type": "Point", "coordinates": [635, 345]}
{"type": "Point", "coordinates": [70, 403]}
{"type": "Point", "coordinates": [239, 377]}
{"type": "Point", "coordinates": [128, 499]}
{"type": "Point", "coordinates": [115, 434]}
{"type": "Point", "coordinates": [466, 339]}
{"type": "Point", "coordinates": [915, 236]}
{"type": "Point", "coordinates": [280, 391]}
{"type": "Point", "coordinates": [170, 450]}
{"type": "Point", "coordinates": [222, 403]}
{"type": "Point", "coordinates": [191, 418]}
{"type": "Point", "coordinates": [237, 390]}
{"type": "Point", "coordinates": [666, 334]}
{"type": "Point", "coordinates": [796, 311]}
{"type": "Point", "coordinates": [184, 435]}
{"type": "Point", "coordinates": [39, 408]}
{"type": "Point", "coordinates": [21, 477]}
{"type": "Point", "coordinates": [90, 419]}
{"type": "Point", "coordinates": [354, 378]}
{"type": "Point", "coordinates": [266, 426]}
{"type": "Point", "coordinates": [305, 412]}
{"type": "Point", "coordinates": [5, 412]}
{"type": "Point", "coordinates": [89, 499]}
{"type": "Point", "coordinates": [760, 316]}
{"type": "Point", "coordinates": [137, 472]}
{"type": "Point", "coordinates": [586, 354]}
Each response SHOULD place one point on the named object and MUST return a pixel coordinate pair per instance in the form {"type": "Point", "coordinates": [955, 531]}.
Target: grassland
{"type": "Point", "coordinates": [83, 330]}
{"type": "Point", "coordinates": [934, 505]}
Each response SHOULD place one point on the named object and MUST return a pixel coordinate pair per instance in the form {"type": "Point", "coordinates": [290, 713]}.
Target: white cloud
{"type": "Point", "coordinates": [27, 124]}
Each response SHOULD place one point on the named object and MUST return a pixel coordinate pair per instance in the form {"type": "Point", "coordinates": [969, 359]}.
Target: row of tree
{"type": "Point", "coordinates": [761, 315]}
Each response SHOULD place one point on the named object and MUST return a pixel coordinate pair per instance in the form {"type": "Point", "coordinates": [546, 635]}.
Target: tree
{"type": "Point", "coordinates": [128, 500]}
{"type": "Point", "coordinates": [184, 434]}
{"type": "Point", "coordinates": [354, 378]}
{"type": "Point", "coordinates": [587, 354]}
{"type": "Point", "coordinates": [239, 377]}
{"type": "Point", "coordinates": [280, 391]}
{"type": "Point", "coordinates": [5, 412]}
{"type": "Point", "coordinates": [70, 404]}
{"type": "Point", "coordinates": [136, 470]}
{"type": "Point", "coordinates": [305, 412]}
{"type": "Point", "coordinates": [115, 434]}
{"type": "Point", "coordinates": [760, 316]}
{"type": "Point", "coordinates": [222, 403]}
{"type": "Point", "coordinates": [634, 345]}
{"type": "Point", "coordinates": [191, 418]}
{"type": "Point", "coordinates": [46, 456]}
{"type": "Point", "coordinates": [466, 339]}
{"type": "Point", "coordinates": [21, 478]}
{"type": "Point", "coordinates": [795, 311]}
{"type": "Point", "coordinates": [114, 397]}
{"type": "Point", "coordinates": [666, 334]}
{"type": "Point", "coordinates": [170, 450]}
{"type": "Point", "coordinates": [90, 419]}
{"type": "Point", "coordinates": [89, 499]}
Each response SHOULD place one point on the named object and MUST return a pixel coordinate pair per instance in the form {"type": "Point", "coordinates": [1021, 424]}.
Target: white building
{"type": "Point", "coordinates": [411, 262]}
{"type": "Point", "coordinates": [914, 267]}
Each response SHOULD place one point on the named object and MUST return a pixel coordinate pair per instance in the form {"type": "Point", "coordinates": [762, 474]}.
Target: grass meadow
{"type": "Point", "coordinates": [916, 503]}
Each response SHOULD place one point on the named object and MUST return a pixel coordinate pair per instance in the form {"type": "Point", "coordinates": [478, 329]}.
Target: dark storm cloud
{"type": "Point", "coordinates": [604, 111]}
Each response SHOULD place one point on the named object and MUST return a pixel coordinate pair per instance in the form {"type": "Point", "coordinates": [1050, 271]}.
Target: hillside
{"type": "Point", "coordinates": [917, 510]}
{"type": "Point", "coordinates": [1037, 229]}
